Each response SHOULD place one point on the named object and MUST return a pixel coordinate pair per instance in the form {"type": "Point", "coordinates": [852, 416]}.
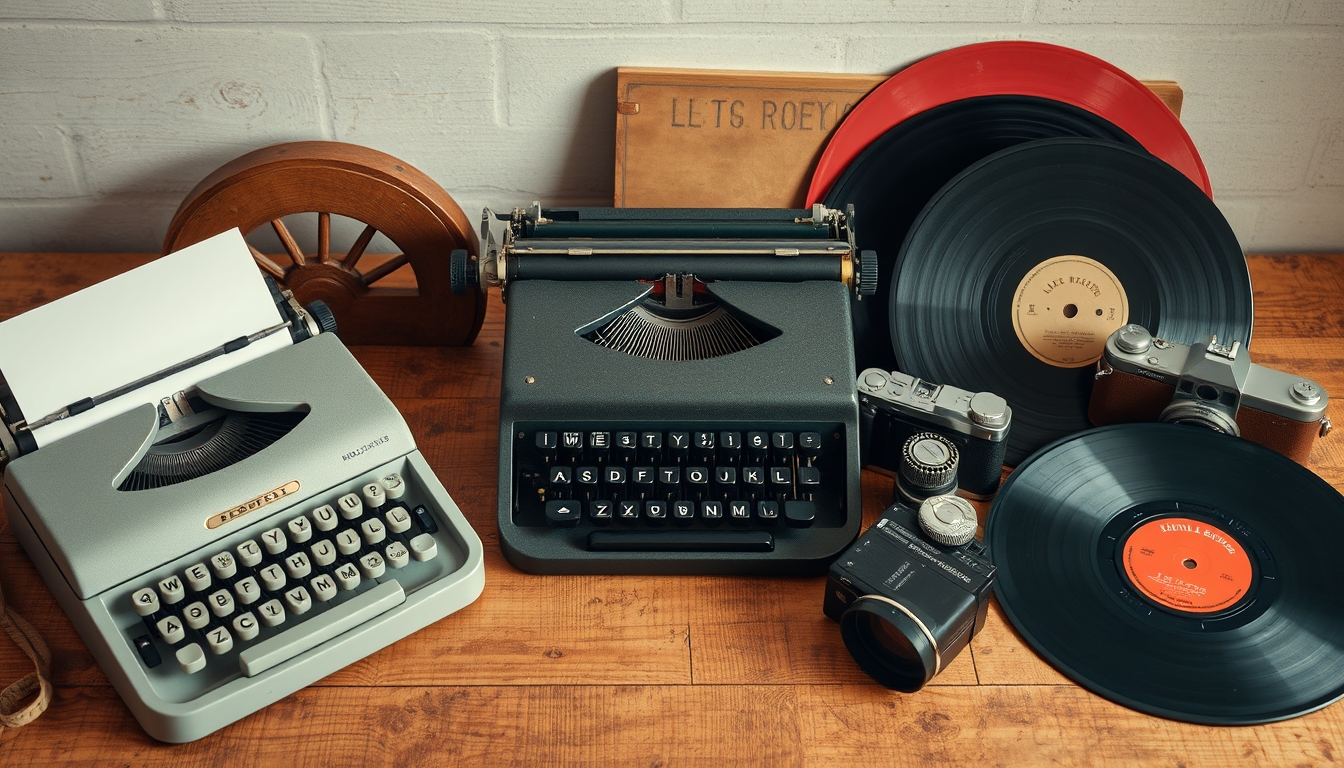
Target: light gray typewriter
{"type": "Point", "coordinates": [228, 527]}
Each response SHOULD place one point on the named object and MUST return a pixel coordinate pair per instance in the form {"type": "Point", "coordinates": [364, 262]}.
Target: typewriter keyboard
{"type": "Point", "coordinates": [683, 488]}
{"type": "Point", "coordinates": [292, 582]}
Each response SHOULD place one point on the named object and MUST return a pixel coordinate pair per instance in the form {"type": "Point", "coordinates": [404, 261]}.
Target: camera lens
{"type": "Point", "coordinates": [889, 643]}
{"type": "Point", "coordinates": [1200, 414]}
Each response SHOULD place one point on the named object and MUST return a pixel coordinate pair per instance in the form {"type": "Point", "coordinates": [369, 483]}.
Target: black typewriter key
{"type": "Point", "coordinates": [758, 447]}
{"type": "Point", "coordinates": [599, 447]}
{"type": "Point", "coordinates": [809, 446]}
{"type": "Point", "coordinates": [651, 447]}
{"type": "Point", "coordinates": [148, 653]}
{"type": "Point", "coordinates": [800, 514]}
{"type": "Point", "coordinates": [730, 448]}
{"type": "Point", "coordinates": [725, 483]}
{"type": "Point", "coordinates": [809, 482]}
{"type": "Point", "coordinates": [614, 477]}
{"type": "Point", "coordinates": [683, 511]}
{"type": "Point", "coordinates": [739, 511]}
{"type": "Point", "coordinates": [571, 447]}
{"type": "Point", "coordinates": [669, 482]}
{"type": "Point", "coordinates": [697, 483]}
{"type": "Point", "coordinates": [585, 483]}
{"type": "Point", "coordinates": [425, 519]}
{"type": "Point", "coordinates": [655, 511]}
{"type": "Point", "coordinates": [767, 511]}
{"type": "Point", "coordinates": [711, 512]}
{"type": "Point", "coordinates": [600, 511]}
{"type": "Point", "coordinates": [641, 482]}
{"type": "Point", "coordinates": [781, 483]}
{"type": "Point", "coordinates": [753, 482]}
{"type": "Point", "coordinates": [624, 447]}
{"type": "Point", "coordinates": [627, 510]}
{"type": "Point", "coordinates": [562, 513]}
{"type": "Point", "coordinates": [547, 445]}
{"type": "Point", "coordinates": [561, 480]}
{"type": "Point", "coordinates": [702, 448]}
{"type": "Point", "coordinates": [678, 447]}
{"type": "Point", "coordinates": [783, 447]}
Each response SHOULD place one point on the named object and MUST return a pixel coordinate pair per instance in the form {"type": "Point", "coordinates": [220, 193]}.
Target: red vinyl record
{"type": "Point", "coordinates": [1017, 68]}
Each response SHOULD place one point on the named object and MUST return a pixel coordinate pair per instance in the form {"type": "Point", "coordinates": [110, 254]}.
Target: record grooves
{"type": "Point", "coordinates": [1014, 274]}
{"type": "Point", "coordinates": [1249, 628]}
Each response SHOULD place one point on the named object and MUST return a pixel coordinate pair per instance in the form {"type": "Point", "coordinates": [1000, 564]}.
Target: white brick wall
{"type": "Point", "coordinates": [111, 110]}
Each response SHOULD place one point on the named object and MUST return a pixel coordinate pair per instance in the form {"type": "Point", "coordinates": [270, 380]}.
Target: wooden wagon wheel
{"type": "Point", "coordinates": [388, 196]}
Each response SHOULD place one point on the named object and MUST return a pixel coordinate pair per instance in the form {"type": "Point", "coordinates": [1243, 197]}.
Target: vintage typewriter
{"type": "Point", "coordinates": [241, 511]}
{"type": "Point", "coordinates": [676, 394]}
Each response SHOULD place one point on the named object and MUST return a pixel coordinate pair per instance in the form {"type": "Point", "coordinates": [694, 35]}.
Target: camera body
{"type": "Point", "coordinates": [1141, 378]}
{"type": "Point", "coordinates": [894, 406]}
{"type": "Point", "coordinates": [935, 595]}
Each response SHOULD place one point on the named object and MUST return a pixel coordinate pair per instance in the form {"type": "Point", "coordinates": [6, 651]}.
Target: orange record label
{"type": "Point", "coordinates": [1187, 565]}
{"type": "Point", "coordinates": [1066, 307]}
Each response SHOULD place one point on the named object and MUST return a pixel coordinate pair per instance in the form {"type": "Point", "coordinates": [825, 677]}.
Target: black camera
{"type": "Point", "coordinates": [912, 591]}
{"type": "Point", "coordinates": [895, 406]}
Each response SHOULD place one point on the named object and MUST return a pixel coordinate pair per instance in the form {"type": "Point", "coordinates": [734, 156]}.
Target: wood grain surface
{"type": "Point", "coordinates": [651, 671]}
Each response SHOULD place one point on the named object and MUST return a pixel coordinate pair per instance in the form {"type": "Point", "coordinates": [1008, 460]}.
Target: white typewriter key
{"type": "Point", "coordinates": [323, 588]}
{"type": "Point", "coordinates": [372, 565]}
{"type": "Point", "coordinates": [393, 485]}
{"type": "Point", "coordinates": [373, 530]}
{"type": "Point", "coordinates": [245, 624]}
{"type": "Point", "coordinates": [350, 506]}
{"type": "Point", "coordinates": [272, 577]}
{"type": "Point", "coordinates": [272, 613]}
{"type": "Point", "coordinates": [221, 603]}
{"type": "Point", "coordinates": [198, 578]}
{"type": "Point", "coordinates": [274, 541]}
{"type": "Point", "coordinates": [298, 565]}
{"type": "Point", "coordinates": [423, 547]}
{"type": "Point", "coordinates": [191, 658]}
{"type": "Point", "coordinates": [374, 495]}
{"type": "Point", "coordinates": [171, 630]}
{"type": "Point", "coordinates": [347, 576]}
{"type": "Point", "coordinates": [221, 641]}
{"type": "Point", "coordinates": [397, 556]}
{"type": "Point", "coordinates": [224, 565]}
{"type": "Point", "coordinates": [347, 542]}
{"type": "Point", "coordinates": [146, 601]}
{"type": "Point", "coordinates": [323, 553]}
{"type": "Point", "coordinates": [196, 615]}
{"type": "Point", "coordinates": [398, 520]}
{"type": "Point", "coordinates": [324, 518]}
{"type": "Point", "coordinates": [171, 589]}
{"type": "Point", "coordinates": [298, 601]}
{"type": "Point", "coordinates": [249, 553]}
{"type": "Point", "coordinates": [247, 590]}
{"type": "Point", "coordinates": [300, 530]}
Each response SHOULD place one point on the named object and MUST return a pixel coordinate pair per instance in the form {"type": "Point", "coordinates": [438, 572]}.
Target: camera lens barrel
{"type": "Point", "coordinates": [1198, 413]}
{"type": "Point", "coordinates": [890, 643]}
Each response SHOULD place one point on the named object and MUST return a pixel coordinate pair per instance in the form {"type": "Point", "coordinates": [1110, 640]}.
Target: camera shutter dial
{"type": "Point", "coordinates": [948, 520]}
{"type": "Point", "coordinates": [1134, 339]}
{"type": "Point", "coordinates": [988, 410]}
{"type": "Point", "coordinates": [928, 466]}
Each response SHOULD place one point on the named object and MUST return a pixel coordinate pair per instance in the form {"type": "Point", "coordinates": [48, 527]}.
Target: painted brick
{"type": "Point", "coordinates": [1305, 221]}
{"type": "Point", "coordinates": [419, 11]}
{"type": "Point", "coordinates": [1327, 164]}
{"type": "Point", "coordinates": [1242, 215]}
{"type": "Point", "coordinates": [80, 10]}
{"type": "Point", "coordinates": [1219, 12]}
{"type": "Point", "coordinates": [146, 110]}
{"type": "Point", "coordinates": [863, 11]}
{"type": "Point", "coordinates": [891, 48]}
{"type": "Point", "coordinates": [37, 164]}
{"type": "Point", "coordinates": [1316, 12]}
{"type": "Point", "coordinates": [129, 223]}
{"type": "Point", "coordinates": [1280, 153]}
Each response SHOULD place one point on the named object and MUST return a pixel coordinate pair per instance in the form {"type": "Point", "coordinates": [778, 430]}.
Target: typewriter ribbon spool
{"type": "Point", "coordinates": [384, 193]}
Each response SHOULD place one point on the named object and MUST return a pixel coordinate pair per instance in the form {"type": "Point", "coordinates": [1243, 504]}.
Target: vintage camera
{"type": "Point", "coordinates": [1140, 378]}
{"type": "Point", "coordinates": [912, 591]}
{"type": "Point", "coordinates": [894, 406]}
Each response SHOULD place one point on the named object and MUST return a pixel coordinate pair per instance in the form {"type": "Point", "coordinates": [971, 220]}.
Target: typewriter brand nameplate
{"type": "Point", "coordinates": [252, 505]}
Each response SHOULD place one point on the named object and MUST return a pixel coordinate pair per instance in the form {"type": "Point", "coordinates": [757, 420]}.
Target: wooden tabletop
{"type": "Point", "coordinates": [651, 671]}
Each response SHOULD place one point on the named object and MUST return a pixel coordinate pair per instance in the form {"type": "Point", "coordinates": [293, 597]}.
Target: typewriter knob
{"type": "Point", "coordinates": [867, 273]}
{"type": "Point", "coordinates": [462, 273]}
{"type": "Point", "coordinates": [928, 467]}
{"type": "Point", "coordinates": [322, 314]}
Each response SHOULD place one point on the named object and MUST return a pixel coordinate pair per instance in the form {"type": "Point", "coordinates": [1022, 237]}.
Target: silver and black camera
{"type": "Point", "coordinates": [1212, 385]}
{"type": "Point", "coordinates": [894, 406]}
{"type": "Point", "coordinates": [912, 591]}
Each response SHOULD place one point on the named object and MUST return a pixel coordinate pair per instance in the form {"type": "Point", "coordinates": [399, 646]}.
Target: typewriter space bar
{"type": "Point", "coordinates": [681, 541]}
{"type": "Point", "coordinates": [321, 628]}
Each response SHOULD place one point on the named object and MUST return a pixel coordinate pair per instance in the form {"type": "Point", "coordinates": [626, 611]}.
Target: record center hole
{"type": "Point", "coordinates": [1070, 310]}
{"type": "Point", "coordinates": [1188, 563]}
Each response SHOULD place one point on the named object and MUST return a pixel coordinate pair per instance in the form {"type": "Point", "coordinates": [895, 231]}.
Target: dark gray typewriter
{"type": "Point", "coordinates": [676, 390]}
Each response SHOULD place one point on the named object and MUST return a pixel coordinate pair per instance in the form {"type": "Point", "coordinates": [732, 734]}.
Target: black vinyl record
{"type": "Point", "coordinates": [1016, 272]}
{"type": "Point", "coordinates": [890, 182]}
{"type": "Point", "coordinates": [1177, 571]}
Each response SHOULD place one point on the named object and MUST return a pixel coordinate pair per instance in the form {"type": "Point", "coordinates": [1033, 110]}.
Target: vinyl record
{"type": "Point", "coordinates": [890, 182]}
{"type": "Point", "coordinates": [1017, 68]}
{"type": "Point", "coordinates": [1019, 268]}
{"type": "Point", "coordinates": [1177, 571]}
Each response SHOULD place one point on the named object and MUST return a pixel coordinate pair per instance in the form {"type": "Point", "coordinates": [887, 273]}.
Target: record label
{"type": "Point", "coordinates": [1065, 308]}
{"type": "Point", "coordinates": [1187, 565]}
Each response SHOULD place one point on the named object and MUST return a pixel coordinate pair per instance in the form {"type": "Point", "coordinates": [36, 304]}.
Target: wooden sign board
{"type": "Point", "coordinates": [703, 138]}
